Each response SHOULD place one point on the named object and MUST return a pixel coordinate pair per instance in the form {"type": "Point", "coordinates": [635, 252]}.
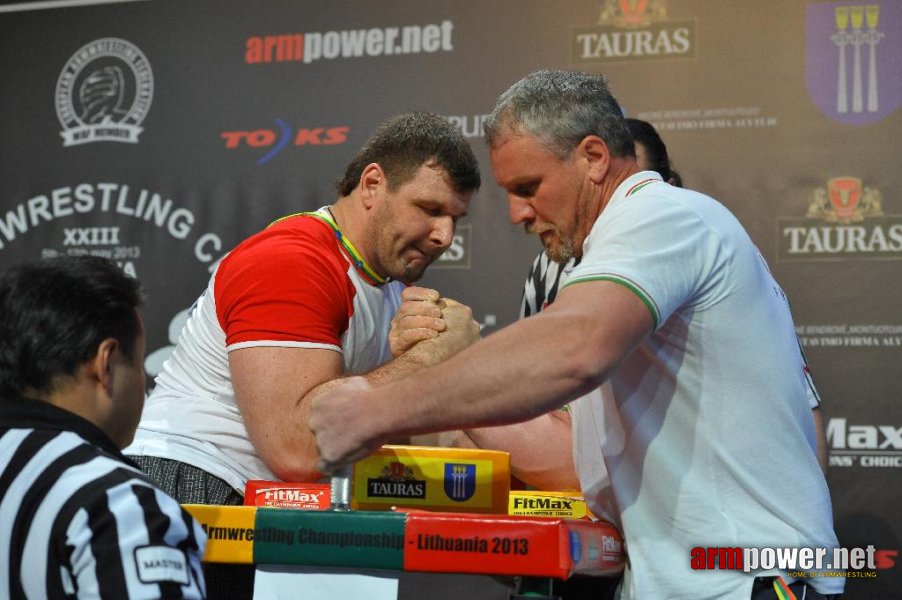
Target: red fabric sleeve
{"type": "Point", "coordinates": [288, 283]}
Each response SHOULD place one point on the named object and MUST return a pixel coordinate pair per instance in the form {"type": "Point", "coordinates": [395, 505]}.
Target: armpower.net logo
{"type": "Point", "coordinates": [349, 43]}
{"type": "Point", "coordinates": [798, 563]}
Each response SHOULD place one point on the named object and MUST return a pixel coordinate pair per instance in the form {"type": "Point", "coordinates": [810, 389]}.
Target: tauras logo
{"type": "Point", "coordinates": [382, 488]}
{"type": "Point", "coordinates": [633, 30]}
{"type": "Point", "coordinates": [845, 221]}
{"type": "Point", "coordinates": [396, 480]}
{"type": "Point", "coordinates": [104, 92]}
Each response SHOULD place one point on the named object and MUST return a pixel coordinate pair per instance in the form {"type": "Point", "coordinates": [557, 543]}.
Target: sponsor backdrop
{"type": "Point", "coordinates": [160, 134]}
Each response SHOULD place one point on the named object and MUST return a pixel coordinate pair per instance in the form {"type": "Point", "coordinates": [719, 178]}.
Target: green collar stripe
{"type": "Point", "coordinates": [630, 285]}
{"type": "Point", "coordinates": [639, 186]}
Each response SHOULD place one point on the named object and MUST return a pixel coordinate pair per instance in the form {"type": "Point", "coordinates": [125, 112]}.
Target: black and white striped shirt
{"type": "Point", "coordinates": [79, 520]}
{"type": "Point", "coordinates": [542, 284]}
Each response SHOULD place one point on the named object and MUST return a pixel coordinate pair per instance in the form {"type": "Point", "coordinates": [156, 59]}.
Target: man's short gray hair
{"type": "Point", "coordinates": [561, 108]}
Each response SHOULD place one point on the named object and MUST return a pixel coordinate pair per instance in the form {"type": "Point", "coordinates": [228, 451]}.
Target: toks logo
{"type": "Point", "coordinates": [633, 30]}
{"type": "Point", "coordinates": [274, 141]}
{"type": "Point", "coordinates": [845, 221]}
{"type": "Point", "coordinates": [103, 93]}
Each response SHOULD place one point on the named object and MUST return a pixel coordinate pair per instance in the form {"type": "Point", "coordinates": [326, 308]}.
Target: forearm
{"type": "Point", "coordinates": [541, 450]}
{"type": "Point", "coordinates": [387, 373]}
{"type": "Point", "coordinates": [291, 452]}
{"type": "Point", "coordinates": [396, 369]}
{"type": "Point", "coordinates": [278, 428]}
{"type": "Point", "coordinates": [519, 373]}
{"type": "Point", "coordinates": [476, 389]}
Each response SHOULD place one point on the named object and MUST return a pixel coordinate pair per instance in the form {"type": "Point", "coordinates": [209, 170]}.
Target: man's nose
{"type": "Point", "coordinates": [443, 232]}
{"type": "Point", "coordinates": [519, 210]}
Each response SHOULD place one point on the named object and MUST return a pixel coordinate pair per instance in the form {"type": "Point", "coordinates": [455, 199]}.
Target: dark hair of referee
{"type": "Point", "coordinates": [82, 520]}
{"type": "Point", "coordinates": [60, 316]}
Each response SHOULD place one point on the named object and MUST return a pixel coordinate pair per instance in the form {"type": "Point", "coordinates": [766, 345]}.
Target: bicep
{"type": "Point", "coordinates": [270, 385]}
{"type": "Point", "coordinates": [609, 319]}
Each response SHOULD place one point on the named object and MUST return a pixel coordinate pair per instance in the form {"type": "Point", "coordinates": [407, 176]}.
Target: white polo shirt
{"type": "Point", "coordinates": [703, 437]}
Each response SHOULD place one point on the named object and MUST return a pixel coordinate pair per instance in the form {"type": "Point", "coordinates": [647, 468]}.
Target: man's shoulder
{"type": "Point", "coordinates": [290, 234]}
{"type": "Point", "coordinates": [300, 243]}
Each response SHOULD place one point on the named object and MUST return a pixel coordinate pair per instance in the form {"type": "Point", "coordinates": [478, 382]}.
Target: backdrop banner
{"type": "Point", "coordinates": [160, 134]}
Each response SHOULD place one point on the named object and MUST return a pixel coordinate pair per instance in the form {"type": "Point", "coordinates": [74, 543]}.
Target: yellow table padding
{"type": "Point", "coordinates": [229, 529]}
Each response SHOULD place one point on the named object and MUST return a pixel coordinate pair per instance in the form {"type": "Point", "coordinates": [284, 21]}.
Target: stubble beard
{"type": "Point", "coordinates": [562, 252]}
{"type": "Point", "coordinates": [558, 247]}
{"type": "Point", "coordinates": [411, 273]}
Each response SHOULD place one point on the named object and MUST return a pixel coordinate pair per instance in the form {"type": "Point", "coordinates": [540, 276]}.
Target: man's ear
{"type": "Point", "coordinates": [372, 184]}
{"type": "Point", "coordinates": [103, 363]}
{"type": "Point", "coordinates": [597, 155]}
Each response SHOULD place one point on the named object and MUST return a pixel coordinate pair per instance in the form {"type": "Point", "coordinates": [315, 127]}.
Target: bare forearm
{"type": "Point", "coordinates": [540, 450]}
{"type": "Point", "coordinates": [518, 373]}
{"type": "Point", "coordinates": [395, 369]}
{"type": "Point", "coordinates": [475, 389]}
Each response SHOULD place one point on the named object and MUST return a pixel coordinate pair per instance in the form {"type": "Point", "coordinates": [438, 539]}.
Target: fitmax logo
{"type": "Point", "coordinates": [866, 445]}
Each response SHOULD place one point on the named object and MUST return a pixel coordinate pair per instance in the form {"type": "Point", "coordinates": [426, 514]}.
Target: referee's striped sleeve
{"type": "Point", "coordinates": [88, 525]}
{"type": "Point", "coordinates": [34, 466]}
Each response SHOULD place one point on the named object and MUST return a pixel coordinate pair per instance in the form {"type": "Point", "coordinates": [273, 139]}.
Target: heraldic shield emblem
{"type": "Point", "coordinates": [460, 481]}
{"type": "Point", "coordinates": [852, 52]}
{"type": "Point", "coordinates": [845, 192]}
{"type": "Point", "coordinates": [633, 11]}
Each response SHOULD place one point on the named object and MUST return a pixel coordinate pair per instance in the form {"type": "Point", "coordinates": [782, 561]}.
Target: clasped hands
{"type": "Point", "coordinates": [430, 327]}
{"type": "Point", "coordinates": [427, 329]}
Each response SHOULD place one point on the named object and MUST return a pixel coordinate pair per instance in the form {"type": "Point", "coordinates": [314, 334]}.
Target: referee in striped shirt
{"type": "Point", "coordinates": [77, 518]}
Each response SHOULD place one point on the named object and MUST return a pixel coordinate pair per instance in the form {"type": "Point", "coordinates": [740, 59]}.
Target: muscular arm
{"type": "Point", "coordinates": [274, 386]}
{"type": "Point", "coordinates": [541, 449]}
{"type": "Point", "coordinates": [519, 373]}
